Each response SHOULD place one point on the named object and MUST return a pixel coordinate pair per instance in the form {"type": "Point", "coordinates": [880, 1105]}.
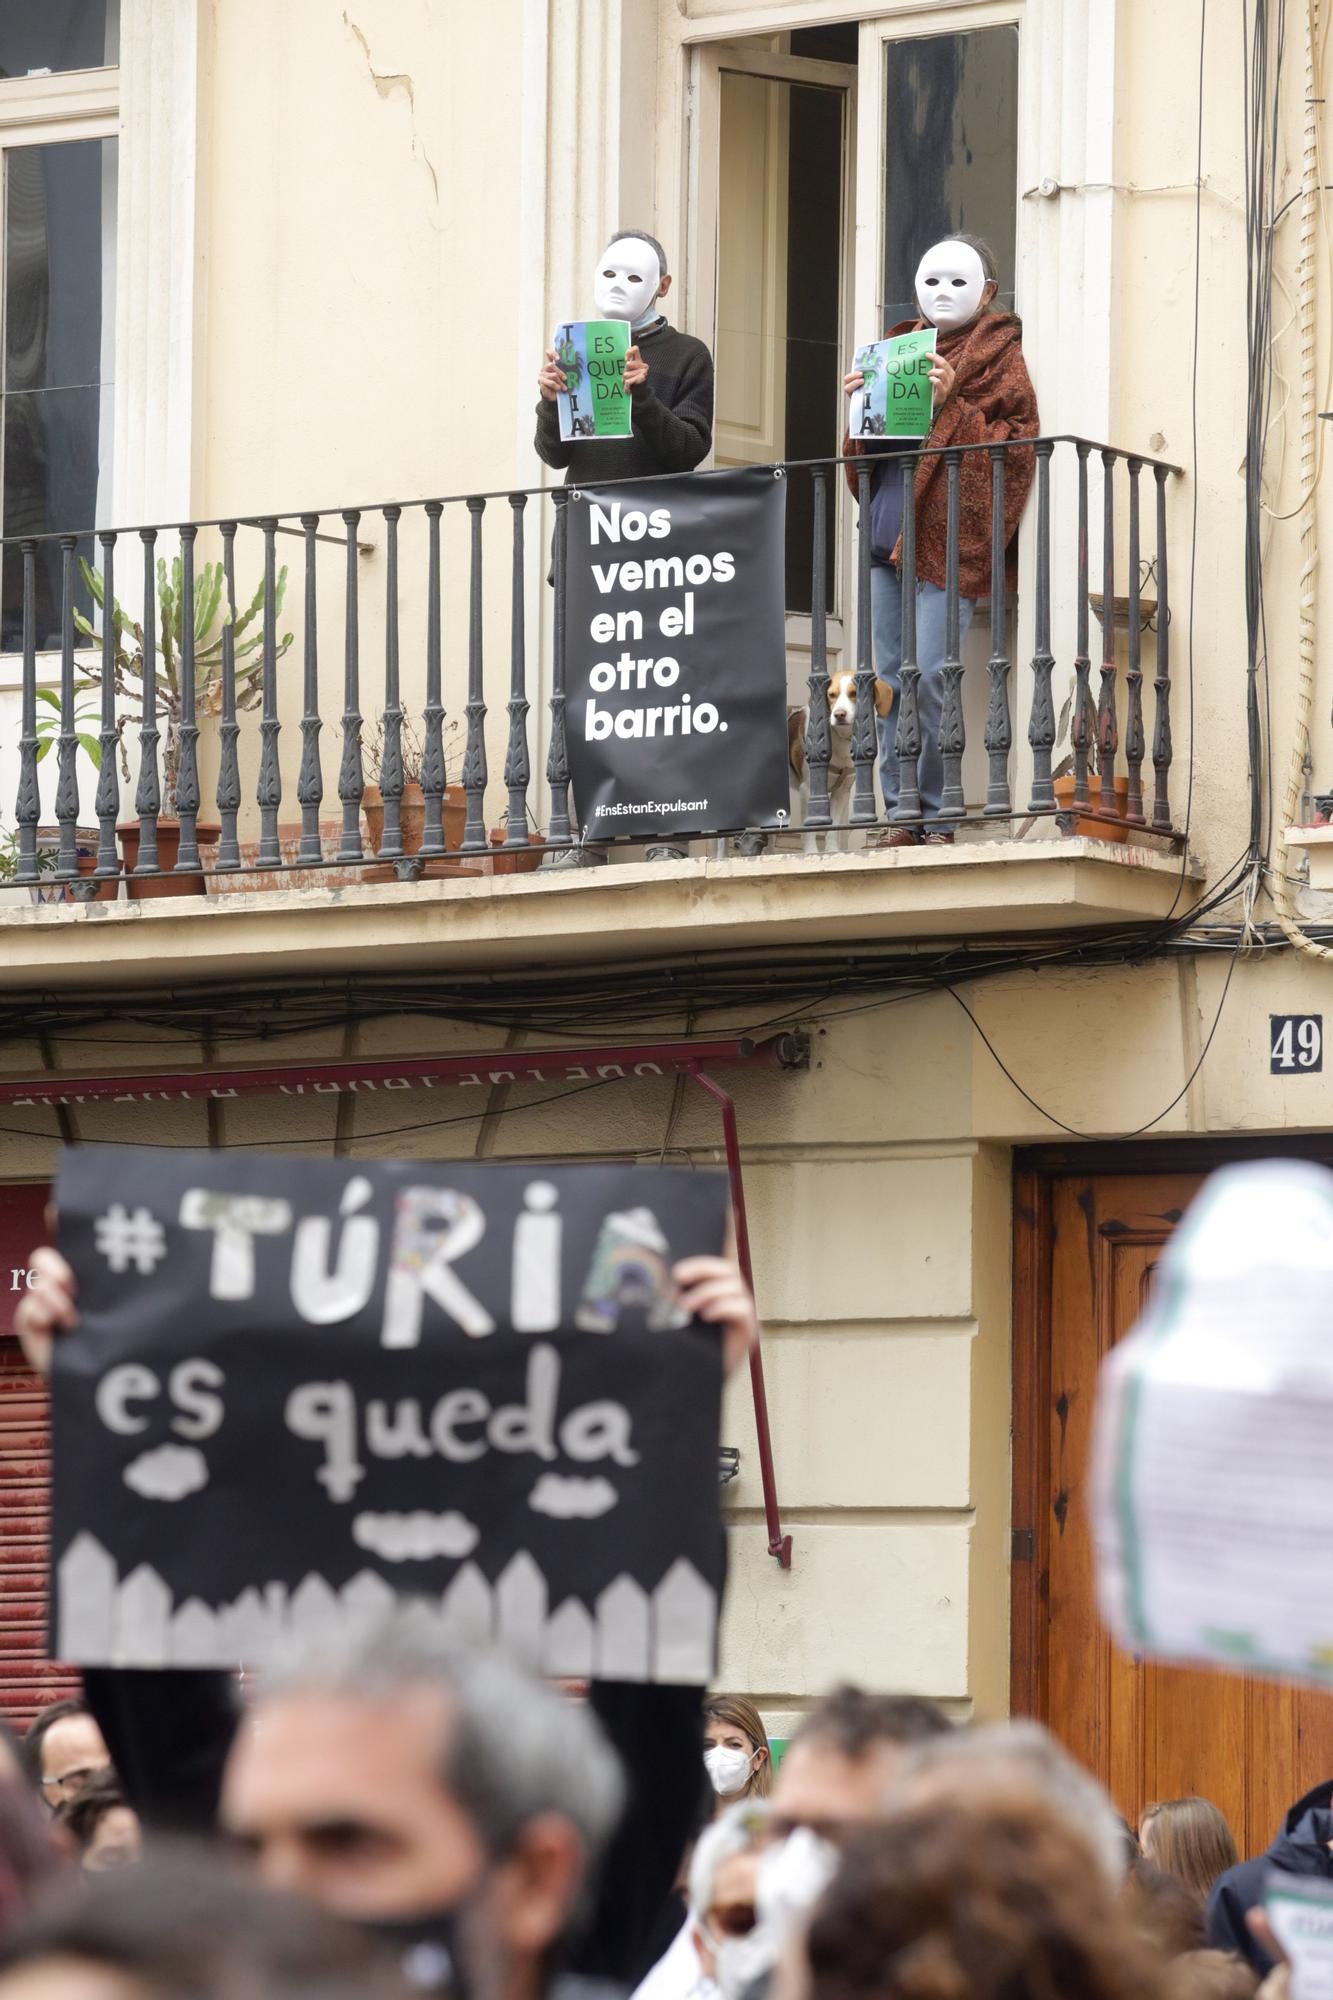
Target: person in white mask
{"type": "Point", "coordinates": [982, 395]}
{"type": "Point", "coordinates": [669, 375]}
{"type": "Point", "coordinates": [736, 1753]}
{"type": "Point", "coordinates": [749, 1893]}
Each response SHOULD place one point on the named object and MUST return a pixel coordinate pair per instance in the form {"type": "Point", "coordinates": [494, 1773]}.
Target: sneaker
{"type": "Point", "coordinates": [664, 851]}
{"type": "Point", "coordinates": [894, 836]}
{"type": "Point", "coordinates": [576, 857]}
{"type": "Point", "coordinates": [938, 836]}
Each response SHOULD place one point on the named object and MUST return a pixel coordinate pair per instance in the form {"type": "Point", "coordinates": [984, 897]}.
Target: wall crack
{"type": "Point", "coordinates": [387, 82]}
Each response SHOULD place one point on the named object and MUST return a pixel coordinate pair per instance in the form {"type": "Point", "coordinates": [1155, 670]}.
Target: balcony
{"type": "Point", "coordinates": [154, 762]}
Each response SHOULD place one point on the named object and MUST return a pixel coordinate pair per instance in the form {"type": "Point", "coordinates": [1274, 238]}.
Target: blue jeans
{"type": "Point", "coordinates": [886, 635]}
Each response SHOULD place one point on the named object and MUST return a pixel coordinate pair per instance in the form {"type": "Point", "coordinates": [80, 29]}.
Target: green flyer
{"type": "Point", "coordinates": [592, 354]}
{"type": "Point", "coordinates": [897, 400]}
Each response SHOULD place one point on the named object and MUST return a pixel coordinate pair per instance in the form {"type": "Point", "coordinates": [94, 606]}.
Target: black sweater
{"type": "Point", "coordinates": [671, 414]}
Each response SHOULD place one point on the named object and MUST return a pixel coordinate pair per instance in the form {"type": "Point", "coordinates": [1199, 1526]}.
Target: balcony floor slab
{"type": "Point", "coordinates": [640, 910]}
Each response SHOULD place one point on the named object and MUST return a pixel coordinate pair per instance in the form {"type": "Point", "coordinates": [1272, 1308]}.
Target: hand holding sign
{"type": "Point", "coordinates": [471, 1384]}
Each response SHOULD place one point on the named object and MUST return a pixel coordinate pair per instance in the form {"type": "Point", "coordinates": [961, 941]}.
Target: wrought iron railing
{"type": "Point", "coordinates": [135, 700]}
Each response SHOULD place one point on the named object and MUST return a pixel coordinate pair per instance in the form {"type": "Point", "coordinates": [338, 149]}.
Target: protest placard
{"type": "Point", "coordinates": [675, 655]}
{"type": "Point", "coordinates": [596, 402]}
{"type": "Point", "coordinates": [897, 399]}
{"type": "Point", "coordinates": [302, 1389]}
{"type": "Point", "coordinates": [1212, 1474]}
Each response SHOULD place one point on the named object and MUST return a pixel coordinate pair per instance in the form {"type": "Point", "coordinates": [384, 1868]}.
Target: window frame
{"type": "Point", "coordinates": [55, 110]}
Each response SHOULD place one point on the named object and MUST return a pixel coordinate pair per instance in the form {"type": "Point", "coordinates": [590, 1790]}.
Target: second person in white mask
{"type": "Point", "coordinates": [736, 1753]}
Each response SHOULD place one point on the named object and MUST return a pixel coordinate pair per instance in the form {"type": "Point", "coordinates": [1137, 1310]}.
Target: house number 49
{"type": "Point", "coordinates": [1295, 1043]}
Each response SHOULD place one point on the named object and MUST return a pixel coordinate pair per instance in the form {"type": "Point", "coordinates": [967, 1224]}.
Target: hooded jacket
{"type": "Point", "coordinates": [1301, 1848]}
{"type": "Point", "coordinates": [993, 400]}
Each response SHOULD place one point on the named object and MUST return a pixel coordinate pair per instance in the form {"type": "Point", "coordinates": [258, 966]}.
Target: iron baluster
{"type": "Point", "coordinates": [270, 771]}
{"type": "Point", "coordinates": [310, 780]}
{"type": "Point", "coordinates": [148, 792]}
{"type": "Point", "coordinates": [1134, 741]}
{"type": "Point", "coordinates": [67, 782]}
{"type": "Point", "coordinates": [1161, 741]}
{"type": "Point", "coordinates": [229, 729]}
{"type": "Point", "coordinates": [108, 783]}
{"type": "Point", "coordinates": [907, 737]}
{"type": "Point", "coordinates": [1080, 735]}
{"type": "Point", "coordinates": [433, 776]}
{"type": "Point", "coordinates": [28, 809]}
{"type": "Point", "coordinates": [818, 746]}
{"type": "Point", "coordinates": [952, 737]}
{"type": "Point", "coordinates": [557, 757]}
{"type": "Point", "coordinates": [351, 781]}
{"type": "Point", "coordinates": [1108, 727]}
{"type": "Point", "coordinates": [391, 758]}
{"type": "Point", "coordinates": [1041, 723]}
{"type": "Point", "coordinates": [864, 740]}
{"type": "Point", "coordinates": [999, 722]}
{"type": "Point", "coordinates": [474, 756]}
{"type": "Point", "coordinates": [517, 768]}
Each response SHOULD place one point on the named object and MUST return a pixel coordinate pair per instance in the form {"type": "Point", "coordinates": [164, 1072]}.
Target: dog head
{"type": "Point", "coordinates": [842, 699]}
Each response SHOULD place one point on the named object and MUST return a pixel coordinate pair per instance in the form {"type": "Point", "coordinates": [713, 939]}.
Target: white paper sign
{"type": "Point", "coordinates": [1300, 1910]}
{"type": "Point", "coordinates": [1213, 1460]}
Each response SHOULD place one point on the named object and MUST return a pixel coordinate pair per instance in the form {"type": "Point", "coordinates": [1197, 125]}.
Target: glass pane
{"type": "Point", "coordinates": [779, 292]}
{"type": "Point", "coordinates": [41, 35]}
{"type": "Point", "coordinates": [951, 154]}
{"type": "Point", "coordinates": [59, 235]}
{"type": "Point", "coordinates": [54, 444]}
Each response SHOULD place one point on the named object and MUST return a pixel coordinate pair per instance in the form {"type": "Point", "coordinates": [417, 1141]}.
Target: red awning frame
{"type": "Point", "coordinates": [607, 1063]}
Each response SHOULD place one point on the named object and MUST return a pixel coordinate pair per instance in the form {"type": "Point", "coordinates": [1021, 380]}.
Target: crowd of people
{"type": "Point", "coordinates": [399, 1816]}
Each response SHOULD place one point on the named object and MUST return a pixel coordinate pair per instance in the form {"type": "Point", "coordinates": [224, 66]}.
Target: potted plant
{"type": "Point", "coordinates": [212, 616]}
{"type": "Point", "coordinates": [412, 806]}
{"type": "Point", "coordinates": [1067, 819]}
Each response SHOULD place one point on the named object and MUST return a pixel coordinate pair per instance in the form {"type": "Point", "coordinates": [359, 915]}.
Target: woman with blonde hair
{"type": "Point", "coordinates": [736, 1749]}
{"type": "Point", "coordinates": [1190, 1839]}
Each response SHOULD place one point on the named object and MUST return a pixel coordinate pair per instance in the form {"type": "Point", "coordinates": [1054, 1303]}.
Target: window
{"type": "Point", "coordinates": [951, 154]}
{"type": "Point", "coordinates": [58, 165]}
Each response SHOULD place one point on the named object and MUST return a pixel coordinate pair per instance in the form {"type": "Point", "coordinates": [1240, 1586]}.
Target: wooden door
{"type": "Point", "coordinates": [1087, 1249]}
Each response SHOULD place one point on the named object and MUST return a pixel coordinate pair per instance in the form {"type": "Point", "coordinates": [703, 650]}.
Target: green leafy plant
{"type": "Point", "coordinates": [48, 858]}
{"type": "Point", "coordinates": [212, 616]}
{"type": "Point", "coordinates": [48, 725]}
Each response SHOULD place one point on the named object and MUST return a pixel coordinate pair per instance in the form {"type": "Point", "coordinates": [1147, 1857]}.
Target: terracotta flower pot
{"type": "Point", "coordinates": [143, 887]}
{"type": "Point", "coordinates": [1092, 829]}
{"type": "Point", "coordinates": [48, 890]}
{"type": "Point", "coordinates": [412, 816]}
{"type": "Point", "coordinates": [514, 860]}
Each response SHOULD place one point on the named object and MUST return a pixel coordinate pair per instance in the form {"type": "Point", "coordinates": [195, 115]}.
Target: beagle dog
{"type": "Point", "coordinates": [841, 771]}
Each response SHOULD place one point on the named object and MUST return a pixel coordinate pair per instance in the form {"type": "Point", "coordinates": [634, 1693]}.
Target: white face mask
{"type": "Point", "coordinates": [627, 281]}
{"type": "Point", "coordinates": [729, 1770]}
{"type": "Point", "coordinates": [740, 1961]}
{"type": "Point", "coordinates": [950, 281]}
{"type": "Point", "coordinates": [792, 1878]}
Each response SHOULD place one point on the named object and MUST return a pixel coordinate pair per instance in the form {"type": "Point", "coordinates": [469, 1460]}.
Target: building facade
{"type": "Point", "coordinates": [306, 259]}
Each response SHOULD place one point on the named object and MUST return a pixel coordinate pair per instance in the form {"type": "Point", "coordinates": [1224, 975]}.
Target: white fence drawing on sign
{"type": "Point", "coordinates": [665, 1635]}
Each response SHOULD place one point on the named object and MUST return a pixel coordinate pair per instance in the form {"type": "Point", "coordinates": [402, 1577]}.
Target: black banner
{"type": "Point", "coordinates": [302, 1388]}
{"type": "Point", "coordinates": [675, 655]}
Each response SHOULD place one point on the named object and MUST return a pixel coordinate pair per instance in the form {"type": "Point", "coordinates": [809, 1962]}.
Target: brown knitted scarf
{"type": "Point", "coordinates": [993, 399]}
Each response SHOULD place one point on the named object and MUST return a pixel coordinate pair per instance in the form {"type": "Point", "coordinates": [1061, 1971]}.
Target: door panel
{"type": "Point", "coordinates": [1148, 1731]}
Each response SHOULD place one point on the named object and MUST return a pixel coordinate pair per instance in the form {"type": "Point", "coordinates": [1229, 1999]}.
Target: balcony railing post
{"type": "Point", "coordinates": [229, 729]}
{"type": "Point", "coordinates": [28, 807]}
{"type": "Point", "coordinates": [432, 757]}
{"type": "Point", "coordinates": [518, 771]}
{"type": "Point", "coordinates": [1080, 736]}
{"type": "Point", "coordinates": [952, 731]}
{"type": "Point", "coordinates": [474, 756]}
{"type": "Point", "coordinates": [148, 791]}
{"type": "Point", "coordinates": [1041, 722]}
{"type": "Point", "coordinates": [999, 722]}
{"type": "Point", "coordinates": [907, 740]}
{"type": "Point", "coordinates": [1161, 741]}
{"type": "Point", "coordinates": [270, 769]}
{"type": "Point", "coordinates": [864, 739]}
{"type": "Point", "coordinates": [351, 781]}
{"type": "Point", "coordinates": [1134, 739]}
{"type": "Point", "coordinates": [817, 737]}
{"type": "Point", "coordinates": [67, 781]}
{"type": "Point", "coordinates": [1108, 726]}
{"type": "Point", "coordinates": [187, 771]}
{"type": "Point", "coordinates": [108, 782]}
{"type": "Point", "coordinates": [557, 756]}
{"type": "Point", "coordinates": [391, 758]}
{"type": "Point", "coordinates": [310, 780]}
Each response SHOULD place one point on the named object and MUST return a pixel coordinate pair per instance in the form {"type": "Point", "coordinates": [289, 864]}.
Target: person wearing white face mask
{"type": "Point", "coordinates": [983, 395]}
{"type": "Point", "coordinates": [736, 1749]}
